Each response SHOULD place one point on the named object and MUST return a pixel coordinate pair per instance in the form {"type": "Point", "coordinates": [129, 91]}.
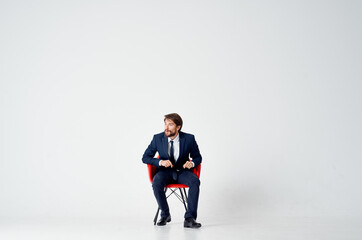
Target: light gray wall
{"type": "Point", "coordinates": [271, 89]}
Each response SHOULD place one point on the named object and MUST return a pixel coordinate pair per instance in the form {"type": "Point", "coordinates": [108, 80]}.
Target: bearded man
{"type": "Point", "coordinates": [175, 148]}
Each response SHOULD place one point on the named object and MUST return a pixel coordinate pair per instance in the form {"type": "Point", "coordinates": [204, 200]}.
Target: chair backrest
{"type": "Point", "coordinates": [152, 171]}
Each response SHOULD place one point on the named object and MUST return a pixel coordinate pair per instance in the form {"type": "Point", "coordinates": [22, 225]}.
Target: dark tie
{"type": "Point", "coordinates": [172, 159]}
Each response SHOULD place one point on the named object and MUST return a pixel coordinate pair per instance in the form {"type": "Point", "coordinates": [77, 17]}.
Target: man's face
{"type": "Point", "coordinates": [171, 130]}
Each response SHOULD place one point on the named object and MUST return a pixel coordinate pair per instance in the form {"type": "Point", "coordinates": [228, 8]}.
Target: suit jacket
{"type": "Point", "coordinates": [159, 143]}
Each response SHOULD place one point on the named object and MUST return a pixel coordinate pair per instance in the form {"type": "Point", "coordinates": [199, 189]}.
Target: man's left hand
{"type": "Point", "coordinates": [188, 165]}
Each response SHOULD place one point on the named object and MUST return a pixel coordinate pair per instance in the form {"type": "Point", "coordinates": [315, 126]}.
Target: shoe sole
{"type": "Point", "coordinates": [188, 226]}
{"type": "Point", "coordinates": [164, 224]}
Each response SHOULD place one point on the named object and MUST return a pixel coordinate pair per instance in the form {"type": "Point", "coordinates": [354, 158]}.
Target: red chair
{"type": "Point", "coordinates": [173, 187]}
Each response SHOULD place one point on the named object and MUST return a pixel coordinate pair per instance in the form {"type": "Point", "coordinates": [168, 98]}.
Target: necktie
{"type": "Point", "coordinates": [172, 157]}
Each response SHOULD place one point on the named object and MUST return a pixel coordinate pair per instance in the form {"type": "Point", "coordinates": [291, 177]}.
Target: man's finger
{"type": "Point", "coordinates": [169, 163]}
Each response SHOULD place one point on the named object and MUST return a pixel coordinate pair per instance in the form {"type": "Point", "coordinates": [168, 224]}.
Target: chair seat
{"type": "Point", "coordinates": [176, 185]}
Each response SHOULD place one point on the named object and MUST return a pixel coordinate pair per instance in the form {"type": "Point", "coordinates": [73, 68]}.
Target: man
{"type": "Point", "coordinates": [175, 148]}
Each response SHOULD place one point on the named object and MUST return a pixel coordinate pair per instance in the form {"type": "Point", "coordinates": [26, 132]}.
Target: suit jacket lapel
{"type": "Point", "coordinates": [165, 145]}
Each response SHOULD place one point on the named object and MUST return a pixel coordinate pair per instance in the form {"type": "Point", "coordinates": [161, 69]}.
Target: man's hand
{"type": "Point", "coordinates": [188, 165]}
{"type": "Point", "coordinates": [166, 163]}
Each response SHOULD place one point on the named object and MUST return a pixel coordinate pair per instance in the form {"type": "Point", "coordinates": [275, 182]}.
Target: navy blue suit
{"type": "Point", "coordinates": [164, 176]}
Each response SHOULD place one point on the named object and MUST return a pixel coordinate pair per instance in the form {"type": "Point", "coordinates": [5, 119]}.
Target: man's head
{"type": "Point", "coordinates": [173, 124]}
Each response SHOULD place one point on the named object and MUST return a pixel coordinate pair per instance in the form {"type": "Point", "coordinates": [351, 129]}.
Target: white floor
{"type": "Point", "coordinates": [244, 228]}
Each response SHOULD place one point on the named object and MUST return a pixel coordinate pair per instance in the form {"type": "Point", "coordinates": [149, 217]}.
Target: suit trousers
{"type": "Point", "coordinates": [164, 177]}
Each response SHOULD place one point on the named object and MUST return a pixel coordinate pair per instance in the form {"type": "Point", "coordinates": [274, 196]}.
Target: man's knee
{"type": "Point", "coordinates": [158, 182]}
{"type": "Point", "coordinates": [195, 182]}
{"type": "Point", "coordinates": [156, 186]}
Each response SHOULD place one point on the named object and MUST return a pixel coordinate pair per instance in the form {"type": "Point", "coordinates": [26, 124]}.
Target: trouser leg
{"type": "Point", "coordinates": [191, 180]}
{"type": "Point", "coordinates": [160, 181]}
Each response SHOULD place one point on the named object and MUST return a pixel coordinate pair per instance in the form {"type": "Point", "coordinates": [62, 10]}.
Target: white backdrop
{"type": "Point", "coordinates": [271, 90]}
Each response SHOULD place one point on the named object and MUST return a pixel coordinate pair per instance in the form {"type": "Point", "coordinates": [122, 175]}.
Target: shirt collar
{"type": "Point", "coordinates": [177, 138]}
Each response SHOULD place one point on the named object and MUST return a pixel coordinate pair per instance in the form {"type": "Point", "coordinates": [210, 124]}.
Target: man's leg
{"type": "Point", "coordinates": [160, 181]}
{"type": "Point", "coordinates": [191, 180]}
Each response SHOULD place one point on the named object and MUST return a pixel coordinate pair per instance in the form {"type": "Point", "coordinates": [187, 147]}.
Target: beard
{"type": "Point", "coordinates": [170, 133]}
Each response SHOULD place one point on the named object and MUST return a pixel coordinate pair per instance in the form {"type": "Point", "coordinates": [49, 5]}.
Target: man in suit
{"type": "Point", "coordinates": [175, 148]}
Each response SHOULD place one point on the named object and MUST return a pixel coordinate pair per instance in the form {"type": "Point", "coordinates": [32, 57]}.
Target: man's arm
{"type": "Point", "coordinates": [148, 156]}
{"type": "Point", "coordinates": [195, 152]}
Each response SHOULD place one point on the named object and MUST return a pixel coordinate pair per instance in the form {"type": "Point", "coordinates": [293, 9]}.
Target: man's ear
{"type": "Point", "coordinates": [178, 128]}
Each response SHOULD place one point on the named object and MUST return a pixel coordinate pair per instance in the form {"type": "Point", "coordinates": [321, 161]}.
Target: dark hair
{"type": "Point", "coordinates": [175, 118]}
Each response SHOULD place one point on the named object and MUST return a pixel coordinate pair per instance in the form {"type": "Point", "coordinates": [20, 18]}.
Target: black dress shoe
{"type": "Point", "coordinates": [191, 223]}
{"type": "Point", "coordinates": [164, 220]}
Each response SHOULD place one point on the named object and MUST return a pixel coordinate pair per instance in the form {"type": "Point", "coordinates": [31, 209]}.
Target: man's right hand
{"type": "Point", "coordinates": [166, 163]}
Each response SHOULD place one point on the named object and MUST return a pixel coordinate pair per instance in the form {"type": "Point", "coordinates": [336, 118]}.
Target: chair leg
{"type": "Point", "coordinates": [156, 216]}
{"type": "Point", "coordinates": [185, 194]}
{"type": "Point", "coordinates": [183, 198]}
